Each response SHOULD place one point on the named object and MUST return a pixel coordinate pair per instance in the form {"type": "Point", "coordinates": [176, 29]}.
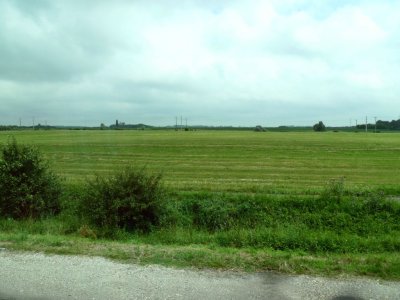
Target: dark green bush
{"type": "Point", "coordinates": [131, 199]}
{"type": "Point", "coordinates": [28, 189]}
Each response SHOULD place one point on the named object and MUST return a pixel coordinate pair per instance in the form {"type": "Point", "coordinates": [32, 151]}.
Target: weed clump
{"type": "Point", "coordinates": [28, 189]}
{"type": "Point", "coordinates": [86, 232]}
{"type": "Point", "coordinates": [131, 200]}
{"type": "Point", "coordinates": [334, 190]}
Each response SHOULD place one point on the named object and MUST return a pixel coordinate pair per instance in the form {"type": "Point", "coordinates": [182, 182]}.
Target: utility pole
{"type": "Point", "coordinates": [33, 123]}
{"type": "Point", "coordinates": [20, 122]}
{"type": "Point", "coordinates": [186, 122]}
{"type": "Point", "coordinates": [176, 123]}
{"type": "Point", "coordinates": [366, 124]}
{"type": "Point", "coordinates": [375, 124]}
{"type": "Point", "coordinates": [181, 122]}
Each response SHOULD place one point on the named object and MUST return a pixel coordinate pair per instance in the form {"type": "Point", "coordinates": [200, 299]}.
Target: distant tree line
{"type": "Point", "coordinates": [36, 127]}
{"type": "Point", "coordinates": [126, 126]}
{"type": "Point", "coordinates": [7, 127]}
{"type": "Point", "coordinates": [392, 125]}
{"type": "Point", "coordinates": [383, 125]}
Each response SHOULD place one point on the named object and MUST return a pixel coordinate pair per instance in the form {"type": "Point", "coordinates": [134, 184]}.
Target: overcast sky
{"type": "Point", "coordinates": [217, 62]}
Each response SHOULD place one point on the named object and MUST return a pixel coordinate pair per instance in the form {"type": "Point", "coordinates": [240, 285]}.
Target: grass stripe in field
{"type": "Point", "coordinates": [225, 160]}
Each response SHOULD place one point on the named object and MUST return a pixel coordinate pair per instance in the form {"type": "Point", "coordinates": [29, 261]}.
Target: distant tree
{"type": "Point", "coordinates": [319, 126]}
{"type": "Point", "coordinates": [259, 128]}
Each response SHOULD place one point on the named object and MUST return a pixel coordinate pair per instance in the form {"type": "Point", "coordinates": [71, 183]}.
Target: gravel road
{"type": "Point", "coordinates": [38, 276]}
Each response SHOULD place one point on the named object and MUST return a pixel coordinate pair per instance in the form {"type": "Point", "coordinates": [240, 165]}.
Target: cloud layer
{"type": "Point", "coordinates": [224, 63]}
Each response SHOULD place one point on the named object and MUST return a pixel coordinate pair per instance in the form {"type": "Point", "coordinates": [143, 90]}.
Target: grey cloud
{"type": "Point", "coordinates": [21, 63]}
{"type": "Point", "coordinates": [31, 8]}
{"type": "Point", "coordinates": [32, 60]}
{"type": "Point", "coordinates": [56, 46]}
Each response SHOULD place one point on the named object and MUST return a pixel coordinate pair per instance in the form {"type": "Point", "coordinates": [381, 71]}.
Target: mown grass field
{"type": "Point", "coordinates": [238, 200]}
{"type": "Point", "coordinates": [270, 162]}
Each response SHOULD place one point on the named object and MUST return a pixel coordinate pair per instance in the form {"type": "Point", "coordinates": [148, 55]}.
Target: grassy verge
{"type": "Point", "coordinates": [382, 265]}
{"type": "Point", "coordinates": [339, 231]}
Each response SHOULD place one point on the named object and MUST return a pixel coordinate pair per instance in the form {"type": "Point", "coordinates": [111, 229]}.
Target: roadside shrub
{"type": "Point", "coordinates": [130, 199]}
{"type": "Point", "coordinates": [28, 189]}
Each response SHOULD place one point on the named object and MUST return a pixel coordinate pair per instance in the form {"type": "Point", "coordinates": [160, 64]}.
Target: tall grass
{"type": "Point", "coordinates": [337, 221]}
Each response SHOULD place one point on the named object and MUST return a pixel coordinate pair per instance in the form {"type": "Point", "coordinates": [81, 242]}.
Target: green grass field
{"type": "Point", "coordinates": [240, 200]}
{"type": "Point", "coordinates": [270, 162]}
